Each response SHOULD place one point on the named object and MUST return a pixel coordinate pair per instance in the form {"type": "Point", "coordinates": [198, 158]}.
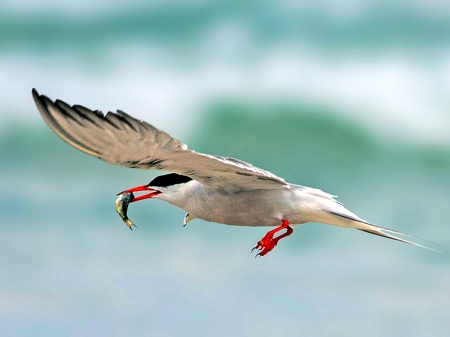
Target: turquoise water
{"type": "Point", "coordinates": [235, 79]}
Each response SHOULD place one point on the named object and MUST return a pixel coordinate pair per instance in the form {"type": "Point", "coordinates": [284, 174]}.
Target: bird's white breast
{"type": "Point", "coordinates": [240, 208]}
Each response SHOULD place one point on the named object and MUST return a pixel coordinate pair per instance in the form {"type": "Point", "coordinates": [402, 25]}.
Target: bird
{"type": "Point", "coordinates": [212, 188]}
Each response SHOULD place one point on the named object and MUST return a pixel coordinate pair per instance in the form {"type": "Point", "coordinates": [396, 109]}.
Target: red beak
{"type": "Point", "coordinates": [140, 189]}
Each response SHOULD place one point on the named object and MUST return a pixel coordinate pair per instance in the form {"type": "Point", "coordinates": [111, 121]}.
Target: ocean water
{"type": "Point", "coordinates": [350, 97]}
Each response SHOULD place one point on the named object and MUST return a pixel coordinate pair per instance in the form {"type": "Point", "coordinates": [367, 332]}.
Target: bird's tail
{"type": "Point", "coordinates": [336, 214]}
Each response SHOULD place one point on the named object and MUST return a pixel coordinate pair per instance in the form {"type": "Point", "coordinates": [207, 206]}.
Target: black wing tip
{"type": "Point", "coordinates": [41, 100]}
{"type": "Point", "coordinates": [36, 96]}
{"type": "Point", "coordinates": [61, 104]}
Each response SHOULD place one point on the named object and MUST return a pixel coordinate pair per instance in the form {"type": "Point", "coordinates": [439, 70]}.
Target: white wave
{"type": "Point", "coordinates": [397, 96]}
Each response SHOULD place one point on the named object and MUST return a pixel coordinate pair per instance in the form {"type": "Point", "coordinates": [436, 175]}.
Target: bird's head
{"type": "Point", "coordinates": [164, 187]}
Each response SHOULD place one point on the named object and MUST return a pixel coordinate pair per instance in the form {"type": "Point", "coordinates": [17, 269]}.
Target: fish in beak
{"type": "Point", "coordinates": [126, 197]}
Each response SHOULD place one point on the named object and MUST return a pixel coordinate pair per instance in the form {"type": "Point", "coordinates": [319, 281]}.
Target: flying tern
{"type": "Point", "coordinates": [213, 188]}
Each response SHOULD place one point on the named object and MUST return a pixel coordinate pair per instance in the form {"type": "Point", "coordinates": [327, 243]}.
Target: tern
{"type": "Point", "coordinates": [213, 188]}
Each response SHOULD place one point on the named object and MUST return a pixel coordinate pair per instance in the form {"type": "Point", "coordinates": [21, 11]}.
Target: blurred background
{"type": "Point", "coordinates": [348, 96]}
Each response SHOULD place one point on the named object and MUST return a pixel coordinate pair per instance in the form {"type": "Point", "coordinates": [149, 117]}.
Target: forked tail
{"type": "Point", "coordinates": [350, 221]}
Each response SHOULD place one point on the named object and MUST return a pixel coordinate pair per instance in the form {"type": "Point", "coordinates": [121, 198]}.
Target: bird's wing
{"type": "Point", "coordinates": [120, 139]}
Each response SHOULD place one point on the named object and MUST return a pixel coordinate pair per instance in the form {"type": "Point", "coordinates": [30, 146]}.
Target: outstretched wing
{"type": "Point", "coordinates": [120, 139]}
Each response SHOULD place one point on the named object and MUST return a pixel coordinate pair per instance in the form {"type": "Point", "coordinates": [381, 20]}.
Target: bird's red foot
{"type": "Point", "coordinates": [268, 242]}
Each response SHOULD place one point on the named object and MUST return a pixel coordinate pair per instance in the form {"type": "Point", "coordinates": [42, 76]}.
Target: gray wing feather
{"type": "Point", "coordinates": [120, 139]}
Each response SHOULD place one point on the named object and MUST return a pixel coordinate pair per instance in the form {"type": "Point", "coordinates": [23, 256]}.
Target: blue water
{"type": "Point", "coordinates": [347, 98]}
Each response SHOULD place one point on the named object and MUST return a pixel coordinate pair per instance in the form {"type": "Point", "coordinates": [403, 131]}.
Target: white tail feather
{"type": "Point", "coordinates": [367, 227]}
{"type": "Point", "coordinates": [378, 231]}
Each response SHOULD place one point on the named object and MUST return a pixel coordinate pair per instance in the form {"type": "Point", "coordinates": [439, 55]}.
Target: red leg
{"type": "Point", "coordinates": [268, 242]}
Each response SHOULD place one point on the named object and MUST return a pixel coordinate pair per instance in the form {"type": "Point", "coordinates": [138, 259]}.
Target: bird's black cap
{"type": "Point", "coordinates": [169, 180]}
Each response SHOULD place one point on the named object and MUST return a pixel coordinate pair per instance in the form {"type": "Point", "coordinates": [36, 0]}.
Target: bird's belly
{"type": "Point", "coordinates": [239, 216]}
{"type": "Point", "coordinates": [253, 208]}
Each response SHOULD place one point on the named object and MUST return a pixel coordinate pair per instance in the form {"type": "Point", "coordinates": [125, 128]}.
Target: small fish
{"type": "Point", "coordinates": [122, 207]}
